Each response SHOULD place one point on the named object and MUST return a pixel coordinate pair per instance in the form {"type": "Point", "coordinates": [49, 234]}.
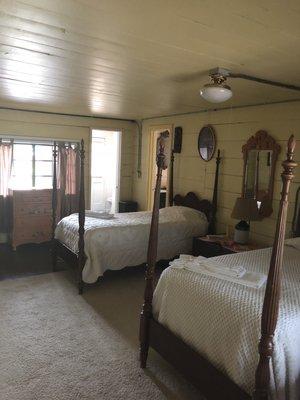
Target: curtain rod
{"type": "Point", "coordinates": [66, 114]}
{"type": "Point", "coordinates": [38, 138]}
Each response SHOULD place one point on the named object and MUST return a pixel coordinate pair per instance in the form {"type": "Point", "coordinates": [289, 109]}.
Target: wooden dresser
{"type": "Point", "coordinates": [32, 216]}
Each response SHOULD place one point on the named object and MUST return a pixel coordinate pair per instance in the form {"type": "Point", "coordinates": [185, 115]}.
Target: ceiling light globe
{"type": "Point", "coordinates": [216, 93]}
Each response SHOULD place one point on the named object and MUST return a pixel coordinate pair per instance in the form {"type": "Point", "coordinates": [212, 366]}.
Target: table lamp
{"type": "Point", "coordinates": [246, 210]}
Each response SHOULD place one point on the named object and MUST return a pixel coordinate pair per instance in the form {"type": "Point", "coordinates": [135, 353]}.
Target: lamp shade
{"type": "Point", "coordinates": [245, 209]}
{"type": "Point", "coordinates": [216, 93]}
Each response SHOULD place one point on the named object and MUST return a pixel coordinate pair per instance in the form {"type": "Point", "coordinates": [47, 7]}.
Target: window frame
{"type": "Point", "coordinates": [34, 161]}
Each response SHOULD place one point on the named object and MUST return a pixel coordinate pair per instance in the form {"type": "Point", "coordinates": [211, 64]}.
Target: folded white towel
{"type": "Point", "coordinates": [184, 258]}
{"type": "Point", "coordinates": [98, 214]}
{"type": "Point", "coordinates": [253, 280]}
{"type": "Point", "coordinates": [213, 266]}
{"type": "Point", "coordinates": [235, 271]}
{"type": "Point", "coordinates": [236, 274]}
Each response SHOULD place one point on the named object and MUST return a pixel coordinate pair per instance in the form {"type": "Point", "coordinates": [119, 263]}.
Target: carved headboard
{"type": "Point", "coordinates": [209, 208]}
{"type": "Point", "coordinates": [191, 200]}
{"type": "Point", "coordinates": [296, 219]}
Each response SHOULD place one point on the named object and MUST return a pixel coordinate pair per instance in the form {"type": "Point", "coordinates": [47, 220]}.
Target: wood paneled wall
{"type": "Point", "coordinates": [233, 128]}
{"type": "Point", "coordinates": [21, 123]}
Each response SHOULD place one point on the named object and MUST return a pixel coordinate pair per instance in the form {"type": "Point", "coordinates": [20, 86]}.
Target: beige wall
{"type": "Point", "coordinates": [233, 128]}
{"type": "Point", "coordinates": [20, 123]}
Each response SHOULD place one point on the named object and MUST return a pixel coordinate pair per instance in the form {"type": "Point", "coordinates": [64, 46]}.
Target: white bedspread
{"type": "Point", "coordinates": [123, 240]}
{"type": "Point", "coordinates": [221, 319]}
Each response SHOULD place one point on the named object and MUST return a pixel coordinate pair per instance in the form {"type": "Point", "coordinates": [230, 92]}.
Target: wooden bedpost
{"type": "Point", "coordinates": [212, 223]}
{"type": "Point", "coordinates": [146, 313]}
{"type": "Point", "coordinates": [171, 179]}
{"type": "Point", "coordinates": [272, 293]}
{"type": "Point", "coordinates": [54, 207]}
{"type": "Point", "coordinates": [81, 220]}
{"type": "Point", "coordinates": [296, 217]}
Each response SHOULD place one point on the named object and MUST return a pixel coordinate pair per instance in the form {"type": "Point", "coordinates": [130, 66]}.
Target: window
{"type": "Point", "coordinates": [32, 166]}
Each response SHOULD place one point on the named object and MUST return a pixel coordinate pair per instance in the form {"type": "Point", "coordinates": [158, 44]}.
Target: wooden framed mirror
{"type": "Point", "coordinates": [260, 154]}
{"type": "Point", "coordinates": [207, 142]}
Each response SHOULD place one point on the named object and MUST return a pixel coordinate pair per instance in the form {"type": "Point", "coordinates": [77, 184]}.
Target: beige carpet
{"type": "Point", "coordinates": [55, 344]}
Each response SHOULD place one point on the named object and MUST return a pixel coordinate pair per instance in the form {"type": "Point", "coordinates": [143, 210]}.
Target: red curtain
{"type": "Point", "coordinates": [68, 178]}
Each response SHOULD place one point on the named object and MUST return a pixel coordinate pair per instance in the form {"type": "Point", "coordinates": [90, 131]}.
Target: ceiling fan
{"type": "Point", "coordinates": [218, 91]}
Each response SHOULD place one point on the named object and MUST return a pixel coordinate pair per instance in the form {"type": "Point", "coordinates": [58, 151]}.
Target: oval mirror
{"type": "Point", "coordinates": [207, 142]}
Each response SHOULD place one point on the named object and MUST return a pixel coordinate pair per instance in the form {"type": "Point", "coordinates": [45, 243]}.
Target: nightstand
{"type": "Point", "coordinates": [209, 247]}
{"type": "Point", "coordinates": [126, 206]}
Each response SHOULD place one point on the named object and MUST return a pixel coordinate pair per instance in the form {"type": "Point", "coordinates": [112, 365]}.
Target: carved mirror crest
{"type": "Point", "coordinates": [260, 155]}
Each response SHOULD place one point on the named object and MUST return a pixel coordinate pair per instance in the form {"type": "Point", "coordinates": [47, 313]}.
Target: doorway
{"type": "Point", "coordinates": [105, 170]}
{"type": "Point", "coordinates": [164, 191]}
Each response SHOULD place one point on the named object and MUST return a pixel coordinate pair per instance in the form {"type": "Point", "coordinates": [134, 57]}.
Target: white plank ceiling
{"type": "Point", "coordinates": [141, 58]}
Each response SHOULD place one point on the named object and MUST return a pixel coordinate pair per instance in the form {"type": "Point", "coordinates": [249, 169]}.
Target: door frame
{"type": "Point", "coordinates": [153, 130]}
{"type": "Point", "coordinates": [118, 166]}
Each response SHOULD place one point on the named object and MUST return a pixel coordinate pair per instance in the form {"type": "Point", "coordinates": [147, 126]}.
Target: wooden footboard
{"type": "Point", "coordinates": [192, 365]}
{"type": "Point", "coordinates": [65, 253]}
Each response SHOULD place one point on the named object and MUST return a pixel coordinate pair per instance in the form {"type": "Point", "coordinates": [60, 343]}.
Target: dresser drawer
{"type": "Point", "coordinates": [34, 222]}
{"type": "Point", "coordinates": [33, 209]}
{"type": "Point", "coordinates": [36, 196]}
{"type": "Point", "coordinates": [35, 236]}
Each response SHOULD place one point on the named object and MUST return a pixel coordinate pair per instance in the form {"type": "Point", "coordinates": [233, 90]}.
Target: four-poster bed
{"type": "Point", "coordinates": [175, 326]}
{"type": "Point", "coordinates": [93, 245]}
